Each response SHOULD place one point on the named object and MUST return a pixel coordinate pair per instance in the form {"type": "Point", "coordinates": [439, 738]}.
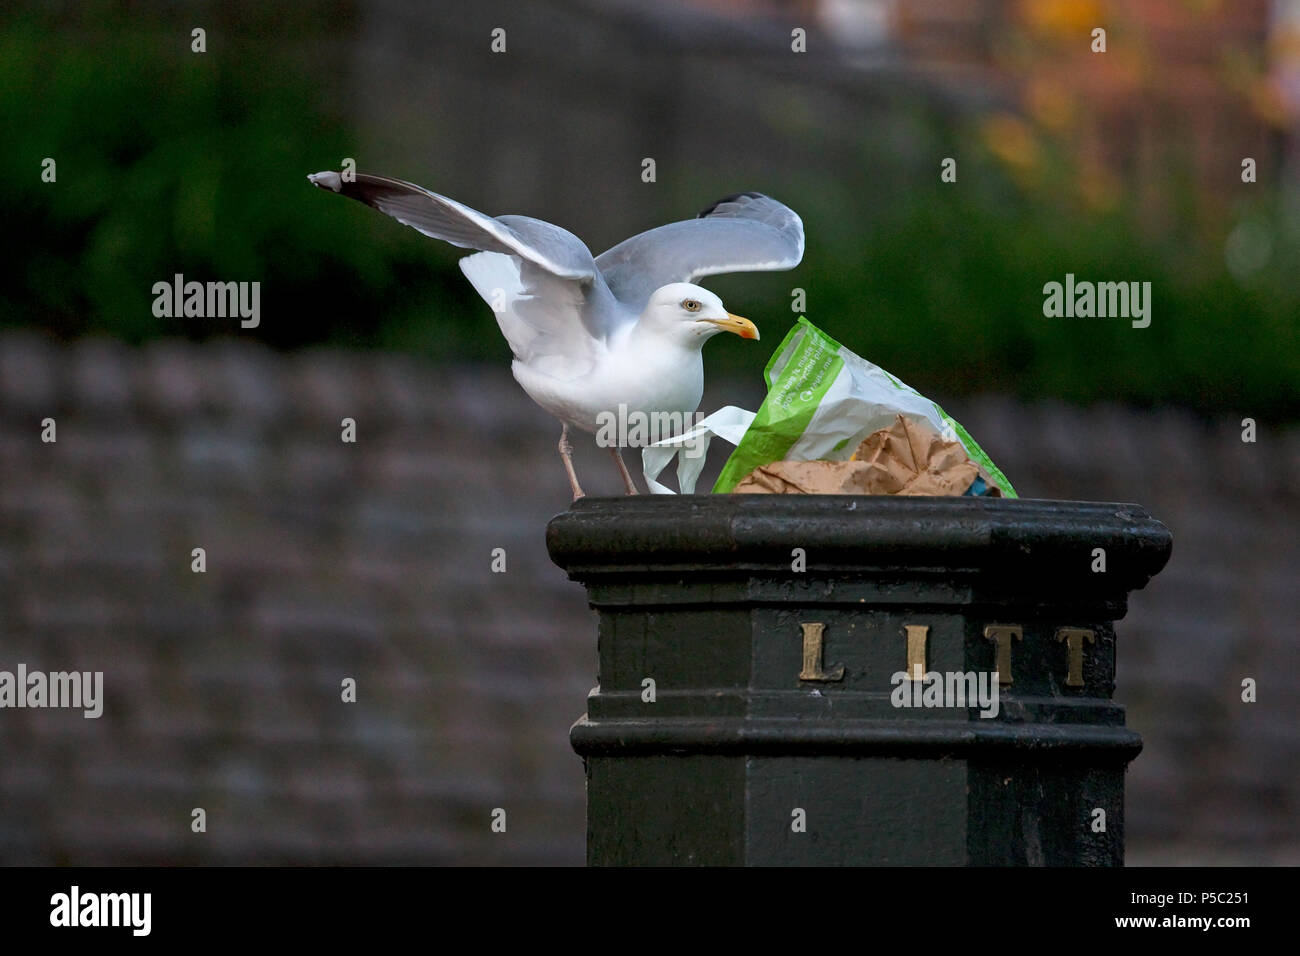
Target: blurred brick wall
{"type": "Point", "coordinates": [371, 560]}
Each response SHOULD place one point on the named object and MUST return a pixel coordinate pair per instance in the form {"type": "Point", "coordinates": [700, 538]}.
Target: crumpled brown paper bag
{"type": "Point", "coordinates": [907, 458]}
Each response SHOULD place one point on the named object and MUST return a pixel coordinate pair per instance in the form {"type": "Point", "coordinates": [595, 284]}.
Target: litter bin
{"type": "Point", "coordinates": [808, 679]}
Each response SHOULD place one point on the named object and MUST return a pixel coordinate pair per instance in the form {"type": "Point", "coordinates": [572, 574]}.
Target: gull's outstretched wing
{"type": "Point", "coordinates": [747, 232]}
{"type": "Point", "coordinates": [541, 281]}
{"type": "Point", "coordinates": [556, 251]}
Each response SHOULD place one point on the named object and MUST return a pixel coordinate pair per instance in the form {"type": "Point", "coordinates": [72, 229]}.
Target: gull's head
{"type": "Point", "coordinates": [690, 314]}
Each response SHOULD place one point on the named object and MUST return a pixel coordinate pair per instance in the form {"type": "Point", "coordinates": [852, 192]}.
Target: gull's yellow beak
{"type": "Point", "coordinates": [735, 324]}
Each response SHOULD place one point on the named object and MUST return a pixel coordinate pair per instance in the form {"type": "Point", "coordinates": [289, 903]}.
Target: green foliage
{"type": "Point", "coordinates": [170, 161]}
{"type": "Point", "coordinates": [943, 286]}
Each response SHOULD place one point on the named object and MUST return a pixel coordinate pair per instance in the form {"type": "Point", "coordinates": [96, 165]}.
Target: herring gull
{"type": "Point", "coordinates": [594, 336]}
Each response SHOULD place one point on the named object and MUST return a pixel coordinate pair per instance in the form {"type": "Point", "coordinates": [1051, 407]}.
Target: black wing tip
{"type": "Point", "coordinates": [726, 199]}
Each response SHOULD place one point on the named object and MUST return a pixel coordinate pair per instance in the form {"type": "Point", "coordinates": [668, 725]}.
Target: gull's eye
{"type": "Point", "coordinates": [690, 305]}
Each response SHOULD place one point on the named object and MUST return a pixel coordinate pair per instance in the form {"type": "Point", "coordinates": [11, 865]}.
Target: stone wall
{"type": "Point", "coordinates": [372, 560]}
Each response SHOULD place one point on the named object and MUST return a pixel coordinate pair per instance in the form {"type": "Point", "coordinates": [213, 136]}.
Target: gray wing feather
{"type": "Point", "coordinates": [747, 232]}
{"type": "Point", "coordinates": [541, 244]}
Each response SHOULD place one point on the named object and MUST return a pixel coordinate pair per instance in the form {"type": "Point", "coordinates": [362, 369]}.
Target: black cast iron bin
{"type": "Point", "coordinates": [756, 704]}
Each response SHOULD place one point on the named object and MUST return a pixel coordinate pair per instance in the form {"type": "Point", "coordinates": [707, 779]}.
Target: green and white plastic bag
{"type": "Point", "coordinates": [822, 402]}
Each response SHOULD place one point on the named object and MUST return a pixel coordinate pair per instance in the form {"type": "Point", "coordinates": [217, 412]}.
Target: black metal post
{"type": "Point", "coordinates": [781, 677]}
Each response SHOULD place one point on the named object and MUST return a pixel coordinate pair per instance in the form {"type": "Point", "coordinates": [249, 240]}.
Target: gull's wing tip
{"type": "Point", "coordinates": [705, 213]}
{"type": "Point", "coordinates": [326, 180]}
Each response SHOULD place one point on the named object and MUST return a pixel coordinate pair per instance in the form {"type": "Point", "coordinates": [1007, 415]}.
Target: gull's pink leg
{"type": "Point", "coordinates": [566, 453]}
{"type": "Point", "coordinates": [622, 470]}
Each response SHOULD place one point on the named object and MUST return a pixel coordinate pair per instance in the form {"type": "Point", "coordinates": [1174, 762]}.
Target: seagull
{"type": "Point", "coordinates": [618, 333]}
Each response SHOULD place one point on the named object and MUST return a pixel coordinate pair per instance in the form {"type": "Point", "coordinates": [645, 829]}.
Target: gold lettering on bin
{"type": "Point", "coordinates": [812, 656]}
{"type": "Point", "coordinates": [1074, 638]}
{"type": "Point", "coordinates": [916, 635]}
{"type": "Point", "coordinates": [1003, 634]}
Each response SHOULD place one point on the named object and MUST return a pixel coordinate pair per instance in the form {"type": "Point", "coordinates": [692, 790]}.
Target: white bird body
{"type": "Point", "coordinates": [615, 334]}
{"type": "Point", "coordinates": [666, 378]}
{"type": "Point", "coordinates": [645, 363]}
